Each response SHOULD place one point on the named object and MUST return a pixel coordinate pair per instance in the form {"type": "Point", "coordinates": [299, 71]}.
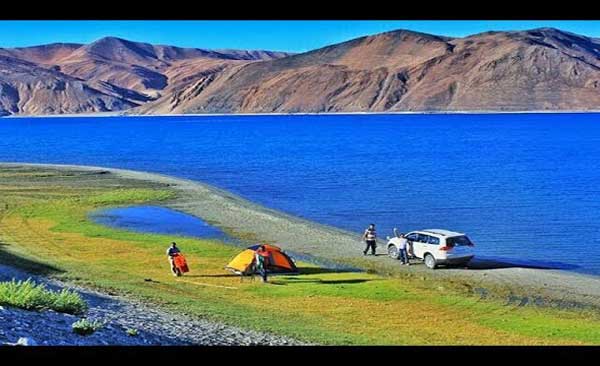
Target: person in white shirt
{"type": "Point", "coordinates": [403, 249]}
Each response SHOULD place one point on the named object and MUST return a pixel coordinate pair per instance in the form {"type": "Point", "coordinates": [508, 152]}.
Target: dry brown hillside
{"type": "Point", "coordinates": [26, 88]}
{"type": "Point", "coordinates": [110, 74]}
{"type": "Point", "coordinates": [539, 69]}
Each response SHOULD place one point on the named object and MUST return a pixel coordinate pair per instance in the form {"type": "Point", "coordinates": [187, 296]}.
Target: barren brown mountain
{"type": "Point", "coordinates": [402, 70]}
{"type": "Point", "coordinates": [110, 74]}
{"type": "Point", "coordinates": [540, 69]}
{"type": "Point", "coordinates": [26, 88]}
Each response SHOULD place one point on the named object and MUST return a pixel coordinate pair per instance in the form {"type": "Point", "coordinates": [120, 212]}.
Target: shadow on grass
{"type": "Point", "coordinates": [293, 280]}
{"type": "Point", "coordinates": [485, 263]}
{"type": "Point", "coordinates": [479, 263]}
{"type": "Point", "coordinates": [221, 275]}
{"type": "Point", "coordinates": [26, 264]}
{"type": "Point", "coordinates": [319, 270]}
{"type": "Point", "coordinates": [301, 271]}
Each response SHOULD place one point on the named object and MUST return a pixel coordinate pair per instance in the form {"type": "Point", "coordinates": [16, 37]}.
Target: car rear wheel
{"type": "Point", "coordinates": [430, 261]}
{"type": "Point", "coordinates": [393, 252]}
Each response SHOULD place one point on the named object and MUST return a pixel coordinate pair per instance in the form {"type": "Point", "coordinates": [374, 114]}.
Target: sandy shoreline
{"type": "Point", "coordinates": [240, 216]}
{"type": "Point", "coordinates": [125, 114]}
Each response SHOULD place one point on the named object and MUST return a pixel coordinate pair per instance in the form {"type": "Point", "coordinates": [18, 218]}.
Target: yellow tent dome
{"type": "Point", "coordinates": [277, 261]}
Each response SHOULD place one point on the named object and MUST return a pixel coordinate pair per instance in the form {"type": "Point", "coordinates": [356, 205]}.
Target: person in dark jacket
{"type": "Point", "coordinates": [172, 251]}
{"type": "Point", "coordinates": [370, 238]}
{"type": "Point", "coordinates": [261, 258]}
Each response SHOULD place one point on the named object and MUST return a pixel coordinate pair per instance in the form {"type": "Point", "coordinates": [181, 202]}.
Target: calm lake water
{"type": "Point", "coordinates": [522, 186]}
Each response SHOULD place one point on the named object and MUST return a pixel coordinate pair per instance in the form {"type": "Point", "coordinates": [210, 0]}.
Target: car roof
{"type": "Point", "coordinates": [441, 232]}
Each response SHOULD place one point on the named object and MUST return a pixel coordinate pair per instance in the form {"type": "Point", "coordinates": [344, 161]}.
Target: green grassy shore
{"type": "Point", "coordinates": [44, 229]}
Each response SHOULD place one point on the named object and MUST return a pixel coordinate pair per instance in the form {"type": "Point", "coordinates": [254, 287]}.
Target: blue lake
{"type": "Point", "coordinates": [523, 186]}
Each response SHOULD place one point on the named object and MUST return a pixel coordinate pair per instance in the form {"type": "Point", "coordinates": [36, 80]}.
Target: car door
{"type": "Point", "coordinates": [433, 246]}
{"type": "Point", "coordinates": [414, 244]}
{"type": "Point", "coordinates": [424, 245]}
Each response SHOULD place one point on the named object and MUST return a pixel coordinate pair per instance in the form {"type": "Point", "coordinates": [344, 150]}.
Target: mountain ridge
{"type": "Point", "coordinates": [394, 71]}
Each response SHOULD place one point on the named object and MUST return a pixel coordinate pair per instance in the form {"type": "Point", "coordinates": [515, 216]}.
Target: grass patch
{"type": "Point", "coordinates": [85, 327]}
{"type": "Point", "coordinates": [31, 296]}
{"type": "Point", "coordinates": [132, 332]}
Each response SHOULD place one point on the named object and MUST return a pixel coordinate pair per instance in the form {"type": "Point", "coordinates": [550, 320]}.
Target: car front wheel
{"type": "Point", "coordinates": [430, 261]}
{"type": "Point", "coordinates": [393, 252]}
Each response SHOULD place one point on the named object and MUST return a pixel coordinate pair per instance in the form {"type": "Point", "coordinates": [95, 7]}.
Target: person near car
{"type": "Point", "coordinates": [370, 238]}
{"type": "Point", "coordinates": [403, 249]}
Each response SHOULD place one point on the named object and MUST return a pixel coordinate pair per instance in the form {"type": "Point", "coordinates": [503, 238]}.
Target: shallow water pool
{"type": "Point", "coordinates": [158, 220]}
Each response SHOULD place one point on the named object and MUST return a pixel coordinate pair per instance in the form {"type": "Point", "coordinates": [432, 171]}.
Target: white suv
{"type": "Point", "coordinates": [435, 246]}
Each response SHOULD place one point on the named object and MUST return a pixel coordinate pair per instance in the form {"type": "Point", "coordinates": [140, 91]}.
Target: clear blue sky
{"type": "Point", "coordinates": [295, 36]}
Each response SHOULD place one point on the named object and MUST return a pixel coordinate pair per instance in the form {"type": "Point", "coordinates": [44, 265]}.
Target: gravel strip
{"type": "Point", "coordinates": [154, 326]}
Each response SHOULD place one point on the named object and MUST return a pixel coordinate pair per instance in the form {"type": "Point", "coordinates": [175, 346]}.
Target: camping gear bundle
{"type": "Point", "coordinates": [180, 263]}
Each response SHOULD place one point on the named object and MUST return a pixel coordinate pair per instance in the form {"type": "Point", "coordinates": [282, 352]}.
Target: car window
{"type": "Point", "coordinates": [412, 237]}
{"type": "Point", "coordinates": [423, 238]}
{"type": "Point", "coordinates": [434, 240]}
{"type": "Point", "coordinates": [458, 240]}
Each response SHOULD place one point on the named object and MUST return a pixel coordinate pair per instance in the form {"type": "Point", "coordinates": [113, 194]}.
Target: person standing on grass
{"type": "Point", "coordinates": [261, 257]}
{"type": "Point", "coordinates": [370, 238]}
{"type": "Point", "coordinates": [172, 251]}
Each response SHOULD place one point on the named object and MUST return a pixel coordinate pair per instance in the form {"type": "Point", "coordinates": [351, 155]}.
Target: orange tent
{"type": "Point", "coordinates": [277, 261]}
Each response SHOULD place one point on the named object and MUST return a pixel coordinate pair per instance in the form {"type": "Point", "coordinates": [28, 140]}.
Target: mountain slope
{"type": "Point", "coordinates": [346, 76]}
{"type": "Point", "coordinates": [45, 54]}
{"type": "Point", "coordinates": [534, 70]}
{"type": "Point", "coordinates": [409, 71]}
{"type": "Point", "coordinates": [28, 89]}
{"type": "Point", "coordinates": [146, 68]}
{"type": "Point", "coordinates": [538, 69]}
{"type": "Point", "coordinates": [110, 74]}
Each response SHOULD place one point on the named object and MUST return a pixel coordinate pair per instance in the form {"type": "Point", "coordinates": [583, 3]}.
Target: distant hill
{"type": "Point", "coordinates": [26, 88]}
{"type": "Point", "coordinates": [110, 74]}
{"type": "Point", "coordinates": [538, 69]}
